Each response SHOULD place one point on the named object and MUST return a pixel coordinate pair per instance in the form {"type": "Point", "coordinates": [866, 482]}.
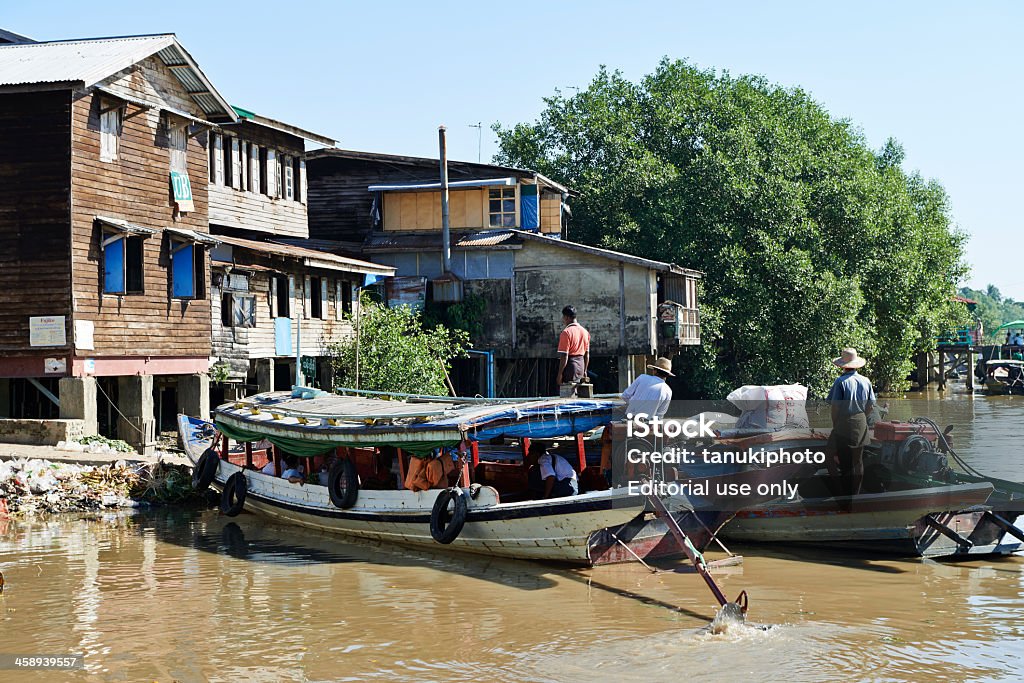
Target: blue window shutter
{"type": "Point", "coordinates": [183, 275]}
{"type": "Point", "coordinates": [113, 267]}
{"type": "Point", "coordinates": [529, 207]}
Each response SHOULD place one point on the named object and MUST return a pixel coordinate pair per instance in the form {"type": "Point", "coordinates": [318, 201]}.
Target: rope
{"type": "Point", "coordinates": [114, 406]}
{"type": "Point", "coordinates": [949, 447]}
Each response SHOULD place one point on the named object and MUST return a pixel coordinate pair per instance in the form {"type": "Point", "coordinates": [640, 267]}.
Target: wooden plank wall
{"type": "Point", "coordinates": [35, 179]}
{"type": "Point", "coordinates": [258, 342]}
{"type": "Point", "coordinates": [339, 202]}
{"type": "Point", "coordinates": [258, 212]}
{"type": "Point", "coordinates": [136, 188]}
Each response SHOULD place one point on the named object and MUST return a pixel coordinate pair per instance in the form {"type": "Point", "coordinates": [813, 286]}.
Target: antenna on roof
{"type": "Point", "coordinates": [479, 125]}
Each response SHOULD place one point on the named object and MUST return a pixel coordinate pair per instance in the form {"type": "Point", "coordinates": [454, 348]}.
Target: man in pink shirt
{"type": "Point", "coordinates": [573, 349]}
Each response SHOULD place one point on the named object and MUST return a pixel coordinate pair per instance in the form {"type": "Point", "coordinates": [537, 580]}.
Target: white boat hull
{"type": "Point", "coordinates": [554, 530]}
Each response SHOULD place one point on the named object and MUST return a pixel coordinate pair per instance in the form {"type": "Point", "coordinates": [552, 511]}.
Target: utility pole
{"type": "Point", "coordinates": [479, 125]}
{"type": "Point", "coordinates": [446, 249]}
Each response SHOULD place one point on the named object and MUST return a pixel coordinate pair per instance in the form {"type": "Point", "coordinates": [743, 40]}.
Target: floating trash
{"type": "Point", "coordinates": [39, 486]}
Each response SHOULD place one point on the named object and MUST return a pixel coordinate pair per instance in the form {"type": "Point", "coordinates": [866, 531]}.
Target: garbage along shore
{"type": "Point", "coordinates": [56, 483]}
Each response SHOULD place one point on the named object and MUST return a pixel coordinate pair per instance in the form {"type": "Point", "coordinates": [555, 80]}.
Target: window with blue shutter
{"type": "Point", "coordinates": [183, 270]}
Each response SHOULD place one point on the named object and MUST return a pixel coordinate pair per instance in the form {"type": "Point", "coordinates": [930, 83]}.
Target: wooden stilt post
{"type": "Point", "coordinates": [248, 454]}
{"type": "Point", "coordinates": [942, 370]}
{"type": "Point", "coordinates": [970, 369]}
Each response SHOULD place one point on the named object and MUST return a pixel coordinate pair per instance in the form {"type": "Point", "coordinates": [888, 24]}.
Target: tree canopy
{"type": "Point", "coordinates": [396, 351]}
{"type": "Point", "coordinates": [810, 240]}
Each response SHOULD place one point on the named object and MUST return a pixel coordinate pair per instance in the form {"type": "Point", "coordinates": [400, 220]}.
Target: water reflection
{"type": "Point", "coordinates": [191, 596]}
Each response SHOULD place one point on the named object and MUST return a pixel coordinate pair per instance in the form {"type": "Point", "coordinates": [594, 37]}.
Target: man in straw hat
{"type": "Point", "coordinates": [852, 399]}
{"type": "Point", "coordinates": [648, 395]}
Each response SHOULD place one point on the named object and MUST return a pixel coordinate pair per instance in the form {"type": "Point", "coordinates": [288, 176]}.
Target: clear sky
{"type": "Point", "coordinates": [943, 78]}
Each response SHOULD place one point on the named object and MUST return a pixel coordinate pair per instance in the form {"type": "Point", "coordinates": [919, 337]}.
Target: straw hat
{"type": "Point", "coordinates": [663, 364]}
{"type": "Point", "coordinates": [849, 360]}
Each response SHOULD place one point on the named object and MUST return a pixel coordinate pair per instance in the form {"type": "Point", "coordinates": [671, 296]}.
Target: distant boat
{"type": "Point", "coordinates": [1003, 376]}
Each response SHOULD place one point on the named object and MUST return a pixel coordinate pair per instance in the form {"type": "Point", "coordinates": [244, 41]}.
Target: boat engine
{"type": "Point", "coordinates": [905, 447]}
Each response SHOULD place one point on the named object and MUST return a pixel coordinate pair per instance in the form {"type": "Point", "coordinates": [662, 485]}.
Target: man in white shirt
{"type": "Point", "coordinates": [648, 395]}
{"type": "Point", "coordinates": [550, 475]}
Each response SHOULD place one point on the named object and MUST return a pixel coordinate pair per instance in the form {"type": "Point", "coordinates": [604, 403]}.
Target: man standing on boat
{"type": "Point", "coordinates": [852, 398]}
{"type": "Point", "coordinates": [648, 395]}
{"type": "Point", "coordinates": [573, 349]}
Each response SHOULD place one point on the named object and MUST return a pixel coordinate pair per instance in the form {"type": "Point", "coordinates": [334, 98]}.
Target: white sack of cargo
{"type": "Point", "coordinates": [770, 408]}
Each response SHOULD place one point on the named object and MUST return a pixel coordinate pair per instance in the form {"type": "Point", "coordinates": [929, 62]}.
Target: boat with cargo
{"type": "Point", "coordinates": [918, 498]}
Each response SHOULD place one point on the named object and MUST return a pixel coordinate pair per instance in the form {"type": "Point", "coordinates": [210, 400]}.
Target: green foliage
{"type": "Point", "coordinates": [993, 310]}
{"type": "Point", "coordinates": [810, 241]}
{"type": "Point", "coordinates": [117, 444]}
{"type": "Point", "coordinates": [220, 372]}
{"type": "Point", "coordinates": [397, 352]}
{"type": "Point", "coordinates": [466, 315]}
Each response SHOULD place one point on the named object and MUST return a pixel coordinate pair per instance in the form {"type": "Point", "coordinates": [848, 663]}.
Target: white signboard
{"type": "Point", "coordinates": [84, 330]}
{"type": "Point", "coordinates": [46, 330]}
{"type": "Point", "coordinates": [55, 366]}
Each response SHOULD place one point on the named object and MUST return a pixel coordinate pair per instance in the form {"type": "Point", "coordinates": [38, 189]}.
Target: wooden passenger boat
{"type": "Point", "coordinates": [915, 502]}
{"type": "Point", "coordinates": [494, 516]}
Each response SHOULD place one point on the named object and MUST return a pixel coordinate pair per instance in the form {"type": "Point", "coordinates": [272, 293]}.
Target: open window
{"type": "Point", "coordinates": [122, 246]}
{"type": "Point", "coordinates": [188, 262]}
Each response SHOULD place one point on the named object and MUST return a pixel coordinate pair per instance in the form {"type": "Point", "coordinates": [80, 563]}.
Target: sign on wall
{"type": "Point", "coordinates": [85, 334]}
{"type": "Point", "coordinates": [182, 191]}
{"type": "Point", "coordinates": [46, 330]}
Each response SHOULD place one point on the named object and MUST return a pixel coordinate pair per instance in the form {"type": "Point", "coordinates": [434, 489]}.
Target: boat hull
{"type": "Point", "coordinates": [905, 523]}
{"type": "Point", "coordinates": [554, 530]}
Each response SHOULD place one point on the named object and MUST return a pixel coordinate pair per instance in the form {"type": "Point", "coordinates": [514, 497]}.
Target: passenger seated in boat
{"type": "Point", "coordinates": [550, 475]}
{"type": "Point", "coordinates": [293, 470]}
{"type": "Point", "coordinates": [269, 468]}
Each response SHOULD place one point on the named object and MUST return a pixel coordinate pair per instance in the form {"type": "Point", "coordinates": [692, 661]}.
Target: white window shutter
{"type": "Point", "coordinates": [306, 303]}
{"type": "Point", "coordinates": [291, 295]}
{"type": "Point", "coordinates": [271, 173]}
{"type": "Point", "coordinates": [236, 165]}
{"type": "Point", "coordinates": [302, 181]}
{"type": "Point", "coordinates": [337, 299]}
{"type": "Point", "coordinates": [218, 159]}
{"type": "Point", "coordinates": [108, 135]}
{"type": "Point", "coordinates": [323, 298]}
{"type": "Point", "coordinates": [289, 179]}
{"type": "Point", "coordinates": [254, 168]}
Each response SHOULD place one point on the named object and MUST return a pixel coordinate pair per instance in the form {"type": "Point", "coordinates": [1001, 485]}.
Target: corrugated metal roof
{"type": "Point", "coordinates": [310, 257]}
{"type": "Point", "coordinates": [90, 61]}
{"type": "Point", "coordinates": [507, 238]}
{"type": "Point", "coordinates": [455, 184]}
{"type": "Point", "coordinates": [432, 240]}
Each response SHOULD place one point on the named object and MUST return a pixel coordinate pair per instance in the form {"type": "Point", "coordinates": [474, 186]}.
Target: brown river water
{"type": "Point", "coordinates": [190, 596]}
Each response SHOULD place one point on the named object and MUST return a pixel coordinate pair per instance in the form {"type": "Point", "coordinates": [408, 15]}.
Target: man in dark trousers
{"type": "Point", "coordinates": [573, 349]}
{"type": "Point", "coordinates": [852, 399]}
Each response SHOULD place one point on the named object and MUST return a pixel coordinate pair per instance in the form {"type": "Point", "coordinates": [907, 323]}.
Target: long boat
{"type": "Point", "coordinates": [349, 435]}
{"type": "Point", "coordinates": [915, 502]}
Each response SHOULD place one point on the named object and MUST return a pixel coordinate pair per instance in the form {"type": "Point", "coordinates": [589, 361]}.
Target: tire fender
{"type": "Point", "coordinates": [343, 483]}
{"type": "Point", "coordinates": [445, 529]}
{"type": "Point", "coordinates": [205, 470]}
{"type": "Point", "coordinates": [232, 498]}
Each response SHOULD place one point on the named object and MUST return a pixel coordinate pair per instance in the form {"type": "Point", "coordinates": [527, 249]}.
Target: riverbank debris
{"type": "Point", "coordinates": [32, 486]}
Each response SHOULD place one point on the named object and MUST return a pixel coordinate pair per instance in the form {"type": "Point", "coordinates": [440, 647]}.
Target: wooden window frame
{"type": "Point", "coordinates": [505, 193]}
{"type": "Point", "coordinates": [232, 315]}
{"type": "Point", "coordinates": [133, 271]}
{"type": "Point", "coordinates": [196, 268]}
{"type": "Point", "coordinates": [218, 170]}
{"type": "Point", "coordinates": [288, 169]}
{"type": "Point", "coordinates": [111, 122]}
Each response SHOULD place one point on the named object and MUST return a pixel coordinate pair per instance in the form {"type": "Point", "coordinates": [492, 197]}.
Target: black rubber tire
{"type": "Point", "coordinates": [232, 499]}
{"type": "Point", "coordinates": [205, 470]}
{"type": "Point", "coordinates": [343, 483]}
{"type": "Point", "coordinates": [442, 529]}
